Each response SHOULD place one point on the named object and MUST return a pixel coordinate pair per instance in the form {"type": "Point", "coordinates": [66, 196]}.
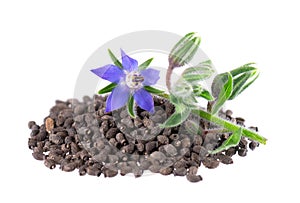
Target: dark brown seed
{"type": "Point", "coordinates": [240, 121]}
{"type": "Point", "coordinates": [69, 140]}
{"type": "Point", "coordinates": [210, 163]}
{"type": "Point", "coordinates": [30, 124]}
{"type": "Point", "coordinates": [140, 147]}
{"type": "Point", "coordinates": [120, 138]}
{"type": "Point", "coordinates": [68, 122]}
{"type": "Point", "coordinates": [186, 142]}
{"type": "Point", "coordinates": [197, 149]}
{"type": "Point", "coordinates": [34, 133]}
{"type": "Point", "coordinates": [38, 149]}
{"type": "Point", "coordinates": [74, 148]}
{"type": "Point", "coordinates": [170, 150]}
{"type": "Point", "coordinates": [167, 131]}
{"type": "Point", "coordinates": [93, 171]}
{"type": "Point", "coordinates": [68, 167]}
{"type": "Point", "coordinates": [231, 151]}
{"type": "Point", "coordinates": [49, 163]}
{"type": "Point", "coordinates": [157, 157]}
{"type": "Point", "coordinates": [138, 122]}
{"type": "Point", "coordinates": [253, 145]}
{"type": "Point", "coordinates": [180, 164]}
{"type": "Point", "coordinates": [193, 170]}
{"type": "Point", "coordinates": [225, 159]}
{"type": "Point", "coordinates": [82, 170]}
{"type": "Point", "coordinates": [150, 146]}
{"type": "Point", "coordinates": [35, 127]}
{"type": "Point", "coordinates": [110, 172]}
{"type": "Point", "coordinates": [243, 143]}
{"type": "Point", "coordinates": [128, 148]}
{"type": "Point", "coordinates": [197, 140]}
{"type": "Point", "coordinates": [203, 153]}
{"type": "Point", "coordinates": [137, 172]}
{"type": "Point", "coordinates": [154, 168]}
{"type": "Point", "coordinates": [145, 164]}
{"type": "Point", "coordinates": [41, 136]}
{"type": "Point", "coordinates": [229, 113]}
{"type": "Point", "coordinates": [174, 137]}
{"type": "Point", "coordinates": [38, 156]}
{"type": "Point", "coordinates": [194, 178]}
{"type": "Point", "coordinates": [83, 154]}
{"type": "Point", "coordinates": [195, 157]}
{"type": "Point", "coordinates": [162, 139]}
{"type": "Point", "coordinates": [111, 133]}
{"type": "Point", "coordinates": [79, 109]}
{"type": "Point", "coordinates": [180, 171]}
{"type": "Point", "coordinates": [32, 143]}
{"type": "Point", "coordinates": [253, 128]}
{"type": "Point", "coordinates": [124, 170]}
{"type": "Point", "coordinates": [56, 139]}
{"type": "Point", "coordinates": [185, 152]}
{"type": "Point", "coordinates": [242, 152]}
{"type": "Point", "coordinates": [166, 171]}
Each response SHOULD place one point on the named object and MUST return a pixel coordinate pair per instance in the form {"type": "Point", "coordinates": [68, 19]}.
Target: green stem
{"type": "Point", "coordinates": [230, 126]}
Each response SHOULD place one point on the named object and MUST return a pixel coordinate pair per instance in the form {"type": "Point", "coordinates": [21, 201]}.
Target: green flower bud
{"type": "Point", "coordinates": [184, 50]}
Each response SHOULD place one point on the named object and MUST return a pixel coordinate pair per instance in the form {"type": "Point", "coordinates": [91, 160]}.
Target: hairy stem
{"type": "Point", "coordinates": [230, 126]}
{"type": "Point", "coordinates": [168, 77]}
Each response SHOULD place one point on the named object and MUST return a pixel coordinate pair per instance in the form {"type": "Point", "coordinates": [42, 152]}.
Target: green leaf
{"type": "Point", "coordinates": [232, 141]}
{"type": "Point", "coordinates": [244, 68]}
{"type": "Point", "coordinates": [130, 107]}
{"type": "Point", "coordinates": [115, 59]}
{"type": "Point", "coordinates": [176, 118]}
{"type": "Point", "coordinates": [242, 82]}
{"type": "Point", "coordinates": [190, 102]}
{"type": "Point", "coordinates": [145, 64]}
{"type": "Point", "coordinates": [224, 94]}
{"type": "Point", "coordinates": [184, 50]}
{"type": "Point", "coordinates": [244, 76]}
{"type": "Point", "coordinates": [200, 72]}
{"type": "Point", "coordinates": [204, 94]}
{"type": "Point", "coordinates": [108, 88]}
{"type": "Point", "coordinates": [182, 88]}
{"type": "Point", "coordinates": [153, 90]}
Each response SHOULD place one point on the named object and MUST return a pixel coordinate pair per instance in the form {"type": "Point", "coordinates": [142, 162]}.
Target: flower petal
{"type": "Point", "coordinates": [151, 76]}
{"type": "Point", "coordinates": [109, 72]}
{"type": "Point", "coordinates": [144, 100]}
{"type": "Point", "coordinates": [118, 98]}
{"type": "Point", "coordinates": [129, 64]}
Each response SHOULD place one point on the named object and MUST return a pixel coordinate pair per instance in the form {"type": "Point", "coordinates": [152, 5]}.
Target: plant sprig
{"type": "Point", "coordinates": [225, 86]}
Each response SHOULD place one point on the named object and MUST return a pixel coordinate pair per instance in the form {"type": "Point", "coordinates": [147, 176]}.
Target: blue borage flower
{"type": "Point", "coordinates": [130, 81]}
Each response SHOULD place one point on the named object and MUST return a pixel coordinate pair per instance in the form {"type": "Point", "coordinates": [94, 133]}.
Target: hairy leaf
{"type": "Point", "coordinates": [107, 89]}
{"type": "Point", "coordinates": [204, 94]}
{"type": "Point", "coordinates": [176, 118]}
{"type": "Point", "coordinates": [224, 94]}
{"type": "Point", "coordinates": [200, 72]}
{"type": "Point", "coordinates": [153, 90]}
{"type": "Point", "coordinates": [130, 107]}
{"type": "Point", "coordinates": [115, 59]}
{"type": "Point", "coordinates": [243, 77]}
{"type": "Point", "coordinates": [145, 64]}
{"type": "Point", "coordinates": [232, 141]}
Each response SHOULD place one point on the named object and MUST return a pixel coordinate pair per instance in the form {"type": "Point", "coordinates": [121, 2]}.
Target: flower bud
{"type": "Point", "coordinates": [184, 50]}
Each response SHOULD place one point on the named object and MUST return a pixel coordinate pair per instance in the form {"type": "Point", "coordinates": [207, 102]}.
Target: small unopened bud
{"type": "Point", "coordinates": [184, 50]}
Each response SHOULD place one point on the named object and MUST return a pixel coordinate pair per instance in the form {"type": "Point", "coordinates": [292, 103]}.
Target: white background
{"type": "Point", "coordinates": [43, 45]}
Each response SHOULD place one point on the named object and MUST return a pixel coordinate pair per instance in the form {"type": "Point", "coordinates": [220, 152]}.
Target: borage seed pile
{"type": "Point", "coordinates": [79, 135]}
